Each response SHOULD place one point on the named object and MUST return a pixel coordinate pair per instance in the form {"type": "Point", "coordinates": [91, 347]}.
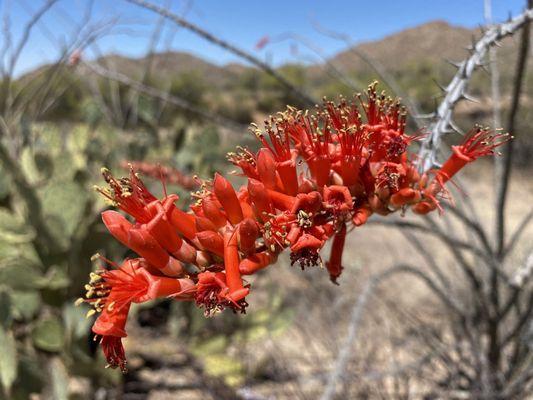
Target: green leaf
{"type": "Point", "coordinates": [20, 274]}
{"type": "Point", "coordinates": [65, 202]}
{"type": "Point", "coordinates": [13, 229]}
{"type": "Point", "coordinates": [8, 360]}
{"type": "Point", "coordinates": [5, 187]}
{"type": "Point", "coordinates": [31, 373]}
{"type": "Point", "coordinates": [25, 304]}
{"type": "Point", "coordinates": [44, 164]}
{"type": "Point", "coordinates": [56, 278]}
{"type": "Point", "coordinates": [48, 335]}
{"type": "Point", "coordinates": [28, 166]}
{"type": "Point", "coordinates": [79, 138]}
{"type": "Point", "coordinates": [76, 323]}
{"type": "Point", "coordinates": [64, 168]}
{"type": "Point", "coordinates": [78, 141]}
{"type": "Point", "coordinates": [5, 309]}
{"type": "Point", "coordinates": [59, 380]}
{"type": "Point", "coordinates": [57, 229]}
{"type": "Point", "coordinates": [24, 251]}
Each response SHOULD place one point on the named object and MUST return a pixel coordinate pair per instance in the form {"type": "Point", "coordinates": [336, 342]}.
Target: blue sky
{"type": "Point", "coordinates": [240, 22]}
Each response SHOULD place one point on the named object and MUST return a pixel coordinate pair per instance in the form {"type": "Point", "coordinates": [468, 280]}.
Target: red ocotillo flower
{"type": "Point", "coordinates": [111, 293]}
{"type": "Point", "coordinates": [168, 175]}
{"type": "Point", "coordinates": [477, 143]}
{"type": "Point", "coordinates": [315, 177]}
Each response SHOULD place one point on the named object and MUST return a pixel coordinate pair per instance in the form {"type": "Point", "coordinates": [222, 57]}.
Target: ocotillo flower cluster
{"type": "Point", "coordinates": [315, 177]}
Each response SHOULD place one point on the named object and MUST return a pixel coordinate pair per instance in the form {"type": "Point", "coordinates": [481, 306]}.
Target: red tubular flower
{"type": "Point", "coordinates": [338, 199]}
{"type": "Point", "coordinates": [183, 222]}
{"type": "Point", "coordinates": [204, 224]}
{"type": "Point", "coordinates": [211, 241]}
{"type": "Point", "coordinates": [117, 225]}
{"type": "Point", "coordinates": [266, 168]}
{"type": "Point", "coordinates": [361, 215]}
{"type": "Point", "coordinates": [334, 265]}
{"type": "Point", "coordinates": [305, 251]}
{"type": "Point", "coordinates": [112, 329]}
{"type": "Point", "coordinates": [275, 231]}
{"type": "Point", "coordinates": [405, 196]}
{"type": "Point", "coordinates": [310, 203]}
{"type": "Point", "coordinates": [281, 201]}
{"type": "Point", "coordinates": [477, 143]}
{"type": "Point", "coordinates": [256, 262]}
{"type": "Point", "coordinates": [353, 162]}
{"type": "Point", "coordinates": [352, 139]}
{"type": "Point", "coordinates": [247, 234]}
{"type": "Point", "coordinates": [315, 143]}
{"type": "Point", "coordinates": [212, 293]}
{"type": "Point", "coordinates": [112, 292]}
{"type": "Point", "coordinates": [142, 242]}
{"type": "Point", "coordinates": [129, 194]}
{"type": "Point", "coordinates": [351, 149]}
{"type": "Point", "coordinates": [228, 198]}
{"type": "Point", "coordinates": [212, 211]}
{"type": "Point", "coordinates": [245, 160]}
{"type": "Point", "coordinates": [237, 291]}
{"type": "Point", "coordinates": [260, 199]}
{"type": "Point", "coordinates": [161, 229]}
{"type": "Point", "coordinates": [280, 149]}
{"type": "Point", "coordinates": [166, 174]}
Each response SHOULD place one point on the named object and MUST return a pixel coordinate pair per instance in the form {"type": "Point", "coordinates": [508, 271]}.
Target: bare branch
{"type": "Point", "coordinates": [457, 88]}
{"type": "Point", "coordinates": [515, 237]}
{"type": "Point", "coordinates": [507, 150]}
{"type": "Point", "coordinates": [357, 312]}
{"type": "Point", "coordinates": [426, 255]}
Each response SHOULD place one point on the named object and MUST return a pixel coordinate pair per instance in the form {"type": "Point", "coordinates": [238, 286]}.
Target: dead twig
{"type": "Point", "coordinates": [502, 179]}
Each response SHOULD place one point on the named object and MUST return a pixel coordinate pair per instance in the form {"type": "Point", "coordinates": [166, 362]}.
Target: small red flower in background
{"type": "Point", "coordinates": [315, 177]}
{"type": "Point", "coordinates": [168, 175]}
{"type": "Point", "coordinates": [262, 42]}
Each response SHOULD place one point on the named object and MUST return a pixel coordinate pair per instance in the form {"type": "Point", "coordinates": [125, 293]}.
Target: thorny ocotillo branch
{"type": "Point", "coordinates": [457, 89]}
{"type": "Point", "coordinates": [227, 46]}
